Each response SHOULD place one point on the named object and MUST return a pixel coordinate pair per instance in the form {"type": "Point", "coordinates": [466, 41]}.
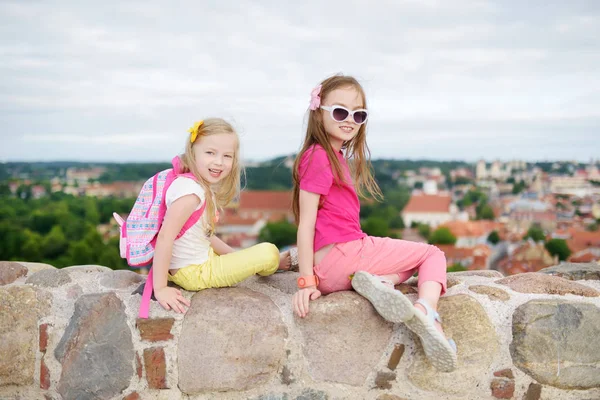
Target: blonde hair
{"type": "Point", "coordinates": [357, 149]}
{"type": "Point", "coordinates": [229, 188]}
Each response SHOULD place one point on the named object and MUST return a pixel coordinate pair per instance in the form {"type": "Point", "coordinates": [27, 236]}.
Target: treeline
{"type": "Point", "coordinates": [60, 230]}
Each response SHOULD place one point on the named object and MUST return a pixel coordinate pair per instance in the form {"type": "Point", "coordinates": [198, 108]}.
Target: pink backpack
{"type": "Point", "coordinates": [140, 231]}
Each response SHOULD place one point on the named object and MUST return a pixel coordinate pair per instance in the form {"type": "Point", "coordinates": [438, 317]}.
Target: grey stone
{"type": "Point", "coordinates": [486, 273]}
{"type": "Point", "coordinates": [121, 279]}
{"type": "Point", "coordinates": [312, 394]}
{"type": "Point", "coordinates": [79, 271]}
{"type": "Point", "coordinates": [575, 271]}
{"type": "Point", "coordinates": [271, 396]}
{"type": "Point", "coordinates": [33, 267]}
{"type": "Point", "coordinates": [534, 282]}
{"type": "Point", "coordinates": [554, 342]}
{"type": "Point", "coordinates": [492, 292]}
{"type": "Point", "coordinates": [20, 309]}
{"type": "Point", "coordinates": [284, 281]}
{"type": "Point", "coordinates": [238, 334]}
{"type": "Point", "coordinates": [465, 321]}
{"type": "Point", "coordinates": [50, 278]}
{"type": "Point", "coordinates": [96, 350]}
{"type": "Point", "coordinates": [344, 338]}
{"type": "Point", "coordinates": [10, 272]}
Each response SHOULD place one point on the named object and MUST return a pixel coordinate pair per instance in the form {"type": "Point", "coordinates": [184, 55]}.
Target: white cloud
{"type": "Point", "coordinates": [432, 69]}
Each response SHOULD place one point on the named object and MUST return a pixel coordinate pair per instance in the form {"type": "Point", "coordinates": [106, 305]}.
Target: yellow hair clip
{"type": "Point", "coordinates": [194, 130]}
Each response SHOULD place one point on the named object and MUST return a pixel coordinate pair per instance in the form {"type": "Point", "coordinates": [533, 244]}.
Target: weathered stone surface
{"type": "Point", "coordinates": [387, 396]}
{"type": "Point", "coordinates": [467, 323]}
{"type": "Point", "coordinates": [384, 379]}
{"type": "Point", "coordinates": [20, 309]}
{"type": "Point", "coordinates": [97, 335]}
{"type": "Point", "coordinates": [396, 356]}
{"type": "Point", "coordinates": [285, 281]}
{"type": "Point", "coordinates": [78, 271]}
{"type": "Point", "coordinates": [121, 279]}
{"type": "Point", "coordinates": [406, 289]}
{"type": "Point", "coordinates": [50, 278]}
{"type": "Point", "coordinates": [271, 396]}
{"type": "Point", "coordinates": [491, 292]}
{"type": "Point", "coordinates": [155, 330]}
{"type": "Point", "coordinates": [335, 324]}
{"type": "Point", "coordinates": [242, 341]}
{"type": "Point", "coordinates": [74, 291]}
{"type": "Point", "coordinates": [534, 282]}
{"type": "Point", "coordinates": [10, 272]}
{"type": "Point", "coordinates": [502, 388]}
{"type": "Point", "coordinates": [553, 342]}
{"type": "Point", "coordinates": [33, 267]}
{"type": "Point", "coordinates": [575, 271]}
{"type": "Point", "coordinates": [156, 368]}
{"type": "Point", "coordinates": [138, 366]}
{"type": "Point", "coordinates": [486, 273]}
{"type": "Point", "coordinates": [312, 394]}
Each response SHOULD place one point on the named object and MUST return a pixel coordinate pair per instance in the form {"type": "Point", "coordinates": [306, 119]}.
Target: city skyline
{"type": "Point", "coordinates": [461, 80]}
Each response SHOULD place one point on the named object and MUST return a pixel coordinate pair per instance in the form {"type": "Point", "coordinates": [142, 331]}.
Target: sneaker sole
{"type": "Point", "coordinates": [437, 349]}
{"type": "Point", "coordinates": [390, 303]}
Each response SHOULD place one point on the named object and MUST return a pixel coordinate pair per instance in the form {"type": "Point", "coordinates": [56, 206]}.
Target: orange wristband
{"type": "Point", "coordinates": [305, 281]}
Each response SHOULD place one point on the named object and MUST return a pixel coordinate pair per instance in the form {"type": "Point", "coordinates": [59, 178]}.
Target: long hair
{"type": "Point", "coordinates": [226, 190]}
{"type": "Point", "coordinates": [356, 150]}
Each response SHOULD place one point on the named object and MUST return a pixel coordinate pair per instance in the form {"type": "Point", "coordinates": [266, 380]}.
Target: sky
{"type": "Point", "coordinates": [445, 79]}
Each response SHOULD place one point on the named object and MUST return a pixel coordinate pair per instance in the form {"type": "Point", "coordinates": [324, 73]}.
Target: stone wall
{"type": "Point", "coordinates": [72, 333]}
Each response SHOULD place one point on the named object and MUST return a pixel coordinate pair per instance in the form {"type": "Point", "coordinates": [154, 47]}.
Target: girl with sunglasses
{"type": "Point", "coordinates": [332, 169]}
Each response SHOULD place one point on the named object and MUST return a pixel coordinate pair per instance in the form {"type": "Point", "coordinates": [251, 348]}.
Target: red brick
{"type": "Point", "coordinates": [396, 356]}
{"type": "Point", "coordinates": [44, 375]}
{"type": "Point", "coordinates": [503, 388]}
{"type": "Point", "coordinates": [132, 396]}
{"type": "Point", "coordinates": [43, 337]}
{"type": "Point", "coordinates": [155, 330]}
{"type": "Point", "coordinates": [156, 369]}
{"type": "Point", "coordinates": [505, 373]}
{"type": "Point", "coordinates": [534, 392]}
{"type": "Point", "coordinates": [138, 365]}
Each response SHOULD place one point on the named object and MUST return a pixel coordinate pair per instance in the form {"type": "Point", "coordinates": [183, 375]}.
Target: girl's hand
{"type": "Point", "coordinates": [171, 298]}
{"type": "Point", "coordinates": [301, 299]}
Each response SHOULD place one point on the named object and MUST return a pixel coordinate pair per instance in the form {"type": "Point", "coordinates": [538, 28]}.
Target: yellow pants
{"type": "Point", "coordinates": [228, 269]}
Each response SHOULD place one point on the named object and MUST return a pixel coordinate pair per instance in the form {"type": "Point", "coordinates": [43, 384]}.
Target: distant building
{"type": "Point", "coordinates": [430, 209]}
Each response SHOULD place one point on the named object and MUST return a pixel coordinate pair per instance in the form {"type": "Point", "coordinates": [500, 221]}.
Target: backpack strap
{"type": "Point", "coordinates": [146, 295]}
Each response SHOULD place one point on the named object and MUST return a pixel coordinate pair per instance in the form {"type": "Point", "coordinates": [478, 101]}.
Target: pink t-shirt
{"type": "Point", "coordinates": [338, 218]}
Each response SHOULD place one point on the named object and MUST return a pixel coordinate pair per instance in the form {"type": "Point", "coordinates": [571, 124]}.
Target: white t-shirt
{"type": "Point", "coordinates": [192, 247]}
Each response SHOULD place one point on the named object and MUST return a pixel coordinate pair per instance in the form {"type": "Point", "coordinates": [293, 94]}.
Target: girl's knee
{"type": "Point", "coordinates": [270, 252]}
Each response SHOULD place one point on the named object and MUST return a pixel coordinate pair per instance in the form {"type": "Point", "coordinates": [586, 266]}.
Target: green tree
{"type": "Point", "coordinates": [54, 243]}
{"type": "Point", "coordinates": [424, 230]}
{"type": "Point", "coordinates": [493, 237]}
{"type": "Point", "coordinates": [376, 226]}
{"type": "Point", "coordinates": [558, 247]}
{"type": "Point", "coordinates": [442, 235]}
{"type": "Point", "coordinates": [280, 233]}
{"type": "Point", "coordinates": [485, 212]}
{"type": "Point", "coordinates": [456, 267]}
{"type": "Point", "coordinates": [536, 233]}
{"type": "Point", "coordinates": [32, 247]}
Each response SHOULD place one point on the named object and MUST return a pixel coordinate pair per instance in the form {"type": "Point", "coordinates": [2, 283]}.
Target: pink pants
{"type": "Point", "coordinates": [380, 256]}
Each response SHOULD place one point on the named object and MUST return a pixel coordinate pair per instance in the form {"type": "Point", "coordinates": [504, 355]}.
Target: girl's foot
{"type": "Point", "coordinates": [426, 323]}
{"type": "Point", "coordinates": [285, 261]}
{"type": "Point", "coordinates": [391, 304]}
